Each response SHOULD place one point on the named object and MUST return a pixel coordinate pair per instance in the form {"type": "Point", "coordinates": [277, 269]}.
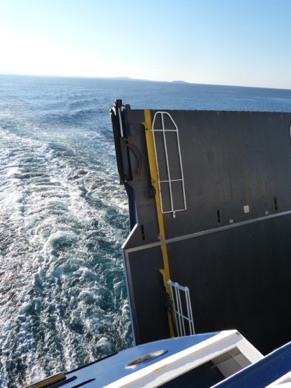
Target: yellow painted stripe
{"type": "Point", "coordinates": [154, 180]}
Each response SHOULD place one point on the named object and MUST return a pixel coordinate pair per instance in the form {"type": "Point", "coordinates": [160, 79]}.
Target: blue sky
{"type": "Point", "coordinates": [228, 42]}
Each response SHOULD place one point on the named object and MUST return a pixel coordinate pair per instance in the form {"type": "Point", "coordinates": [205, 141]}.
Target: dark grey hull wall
{"type": "Point", "coordinates": [232, 244]}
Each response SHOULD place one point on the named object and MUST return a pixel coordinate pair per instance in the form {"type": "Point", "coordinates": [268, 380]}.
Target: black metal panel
{"type": "Point", "coordinates": [232, 160]}
{"type": "Point", "coordinates": [147, 295]}
{"type": "Point", "coordinates": [239, 278]}
{"type": "Point", "coordinates": [237, 169]}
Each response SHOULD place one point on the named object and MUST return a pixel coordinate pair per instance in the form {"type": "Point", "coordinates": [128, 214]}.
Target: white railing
{"type": "Point", "coordinates": [159, 126]}
{"type": "Point", "coordinates": [182, 309]}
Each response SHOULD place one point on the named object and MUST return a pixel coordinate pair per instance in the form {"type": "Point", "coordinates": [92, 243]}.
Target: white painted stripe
{"type": "Point", "coordinates": [205, 232]}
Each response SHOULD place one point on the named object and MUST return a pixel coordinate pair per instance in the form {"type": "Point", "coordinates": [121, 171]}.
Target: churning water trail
{"type": "Point", "coordinates": [62, 288]}
{"type": "Point", "coordinates": [63, 218]}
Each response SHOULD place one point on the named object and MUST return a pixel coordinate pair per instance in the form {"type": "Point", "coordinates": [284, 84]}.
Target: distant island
{"type": "Point", "coordinates": [137, 79]}
{"type": "Point", "coordinates": [180, 82]}
{"type": "Point", "coordinates": [118, 78]}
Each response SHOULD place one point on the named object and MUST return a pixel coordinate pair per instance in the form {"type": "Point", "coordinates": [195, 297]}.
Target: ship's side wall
{"type": "Point", "coordinates": [231, 244]}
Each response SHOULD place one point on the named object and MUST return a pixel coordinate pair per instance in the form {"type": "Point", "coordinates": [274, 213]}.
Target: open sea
{"type": "Point", "coordinates": [64, 216]}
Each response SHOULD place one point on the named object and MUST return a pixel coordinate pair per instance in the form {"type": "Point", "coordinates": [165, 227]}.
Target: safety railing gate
{"type": "Point", "coordinates": [182, 309]}
{"type": "Point", "coordinates": [169, 163]}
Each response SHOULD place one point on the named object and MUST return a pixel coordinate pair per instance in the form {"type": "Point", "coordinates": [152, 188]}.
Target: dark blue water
{"type": "Point", "coordinates": [63, 215]}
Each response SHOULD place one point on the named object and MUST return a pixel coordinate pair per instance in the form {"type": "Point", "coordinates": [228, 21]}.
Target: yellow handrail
{"type": "Point", "coordinates": [154, 180]}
